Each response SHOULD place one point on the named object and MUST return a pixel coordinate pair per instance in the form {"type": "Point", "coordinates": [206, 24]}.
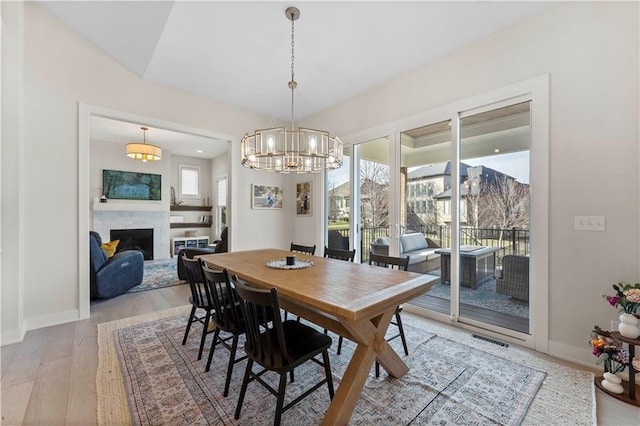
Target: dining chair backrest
{"type": "Point", "coordinates": [347, 255]}
{"type": "Point", "coordinates": [401, 263]}
{"type": "Point", "coordinates": [303, 249]}
{"type": "Point", "coordinates": [265, 342]}
{"type": "Point", "coordinates": [227, 314]}
{"type": "Point", "coordinates": [196, 282]}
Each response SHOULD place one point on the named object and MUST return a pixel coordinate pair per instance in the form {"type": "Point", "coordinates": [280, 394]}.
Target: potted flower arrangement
{"type": "Point", "coordinates": [627, 298]}
{"type": "Point", "coordinates": [609, 352]}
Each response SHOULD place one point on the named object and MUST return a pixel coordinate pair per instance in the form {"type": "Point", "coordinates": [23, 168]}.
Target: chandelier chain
{"type": "Point", "coordinates": [292, 49]}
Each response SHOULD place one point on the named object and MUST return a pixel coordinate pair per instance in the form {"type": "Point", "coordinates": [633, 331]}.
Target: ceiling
{"type": "Point", "coordinates": [239, 52]}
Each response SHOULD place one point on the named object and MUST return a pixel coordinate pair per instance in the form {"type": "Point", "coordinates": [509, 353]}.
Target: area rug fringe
{"type": "Point", "coordinates": [112, 406]}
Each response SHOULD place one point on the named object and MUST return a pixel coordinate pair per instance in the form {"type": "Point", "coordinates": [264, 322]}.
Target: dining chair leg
{"type": "Point", "coordinates": [281, 388]}
{"type": "Point", "coordinates": [327, 371]}
{"type": "Point", "coordinates": [232, 360]}
{"type": "Point", "coordinates": [243, 389]}
{"type": "Point", "coordinates": [186, 332]}
{"type": "Point", "coordinates": [340, 339]}
{"type": "Point", "coordinates": [291, 376]}
{"type": "Point", "coordinates": [204, 334]}
{"type": "Point", "coordinates": [404, 340]}
{"type": "Point", "coordinates": [214, 342]}
{"type": "Point", "coordinates": [377, 369]}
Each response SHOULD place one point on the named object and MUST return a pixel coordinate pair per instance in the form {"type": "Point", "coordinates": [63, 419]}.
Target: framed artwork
{"type": "Point", "coordinates": [119, 185]}
{"type": "Point", "coordinates": [266, 197]}
{"type": "Point", "coordinates": [303, 199]}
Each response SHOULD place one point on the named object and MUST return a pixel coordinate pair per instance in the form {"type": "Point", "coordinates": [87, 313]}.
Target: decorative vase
{"type": "Point", "coordinates": [612, 383]}
{"type": "Point", "coordinates": [628, 326]}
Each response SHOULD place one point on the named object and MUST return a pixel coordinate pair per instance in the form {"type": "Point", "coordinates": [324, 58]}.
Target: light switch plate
{"type": "Point", "coordinates": [589, 223]}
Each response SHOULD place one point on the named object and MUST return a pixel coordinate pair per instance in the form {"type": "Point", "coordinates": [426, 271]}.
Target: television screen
{"type": "Point", "coordinates": [118, 185]}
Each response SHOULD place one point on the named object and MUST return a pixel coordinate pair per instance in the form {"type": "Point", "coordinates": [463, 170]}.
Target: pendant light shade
{"type": "Point", "coordinates": [144, 151]}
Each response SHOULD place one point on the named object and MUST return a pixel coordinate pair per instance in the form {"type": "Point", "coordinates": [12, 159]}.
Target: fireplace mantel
{"type": "Point", "coordinates": [121, 205]}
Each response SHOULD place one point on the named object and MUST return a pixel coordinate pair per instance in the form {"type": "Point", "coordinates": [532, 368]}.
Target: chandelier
{"type": "Point", "coordinates": [144, 151]}
{"type": "Point", "coordinates": [285, 150]}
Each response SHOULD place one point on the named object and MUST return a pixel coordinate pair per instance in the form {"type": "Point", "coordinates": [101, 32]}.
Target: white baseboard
{"type": "Point", "coordinates": [12, 336]}
{"type": "Point", "coordinates": [52, 319]}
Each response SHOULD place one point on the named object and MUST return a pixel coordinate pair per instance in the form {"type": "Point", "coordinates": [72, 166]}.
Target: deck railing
{"type": "Point", "coordinates": [509, 241]}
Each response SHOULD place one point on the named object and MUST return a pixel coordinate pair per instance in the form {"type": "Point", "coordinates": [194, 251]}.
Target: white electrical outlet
{"type": "Point", "coordinates": [589, 223]}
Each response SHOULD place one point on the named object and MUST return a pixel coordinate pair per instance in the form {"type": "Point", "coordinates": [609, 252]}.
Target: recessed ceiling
{"type": "Point", "coordinates": [240, 52]}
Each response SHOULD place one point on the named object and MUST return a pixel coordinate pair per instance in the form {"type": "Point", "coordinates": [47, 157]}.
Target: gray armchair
{"type": "Point", "coordinates": [515, 277]}
{"type": "Point", "coordinates": [111, 276]}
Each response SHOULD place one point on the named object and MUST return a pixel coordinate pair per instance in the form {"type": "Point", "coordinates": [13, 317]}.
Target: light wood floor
{"type": "Point", "coordinates": [49, 378]}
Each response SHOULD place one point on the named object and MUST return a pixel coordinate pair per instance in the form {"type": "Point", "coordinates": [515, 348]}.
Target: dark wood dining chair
{"type": "Point", "coordinates": [339, 254]}
{"type": "Point", "coordinates": [303, 249]}
{"type": "Point", "coordinates": [401, 263]}
{"type": "Point", "coordinates": [346, 255]}
{"type": "Point", "coordinates": [278, 346]}
{"type": "Point", "coordinates": [227, 317]}
{"type": "Point", "coordinates": [297, 248]}
{"type": "Point", "coordinates": [199, 300]}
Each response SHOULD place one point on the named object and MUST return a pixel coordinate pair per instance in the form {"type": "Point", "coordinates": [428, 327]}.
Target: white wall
{"type": "Point", "coordinates": [11, 234]}
{"type": "Point", "coordinates": [61, 70]}
{"type": "Point", "coordinates": [590, 51]}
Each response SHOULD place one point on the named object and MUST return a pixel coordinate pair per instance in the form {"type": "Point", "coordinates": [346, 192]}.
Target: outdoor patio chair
{"type": "Point", "coordinates": [515, 277]}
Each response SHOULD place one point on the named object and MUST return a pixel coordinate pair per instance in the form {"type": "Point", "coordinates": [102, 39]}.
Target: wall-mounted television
{"type": "Point", "coordinates": [119, 185]}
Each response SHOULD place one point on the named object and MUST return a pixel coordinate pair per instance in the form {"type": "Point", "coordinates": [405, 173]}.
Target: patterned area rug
{"type": "Point", "coordinates": [158, 274]}
{"type": "Point", "coordinates": [567, 395]}
{"type": "Point", "coordinates": [448, 383]}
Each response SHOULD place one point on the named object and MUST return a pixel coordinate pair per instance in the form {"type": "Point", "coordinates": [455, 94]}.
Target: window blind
{"type": "Point", "coordinates": [222, 192]}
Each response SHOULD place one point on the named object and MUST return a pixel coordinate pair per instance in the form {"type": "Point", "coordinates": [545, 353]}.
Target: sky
{"type": "Point", "coordinates": [514, 164]}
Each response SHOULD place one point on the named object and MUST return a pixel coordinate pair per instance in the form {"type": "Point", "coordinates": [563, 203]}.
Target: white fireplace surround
{"type": "Point", "coordinates": [134, 215]}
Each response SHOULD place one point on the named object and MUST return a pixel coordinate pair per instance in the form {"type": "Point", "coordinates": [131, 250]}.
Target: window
{"type": "Point", "coordinates": [189, 181]}
{"type": "Point", "coordinates": [221, 204]}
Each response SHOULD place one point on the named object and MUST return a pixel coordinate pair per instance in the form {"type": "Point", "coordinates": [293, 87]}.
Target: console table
{"type": "Point", "coordinates": [478, 265]}
{"type": "Point", "coordinates": [631, 393]}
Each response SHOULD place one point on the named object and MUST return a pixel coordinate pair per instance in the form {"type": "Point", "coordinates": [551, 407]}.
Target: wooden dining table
{"type": "Point", "coordinates": [354, 300]}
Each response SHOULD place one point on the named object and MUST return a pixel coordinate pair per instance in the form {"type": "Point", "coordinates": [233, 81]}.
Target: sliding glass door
{"type": "Point", "coordinates": [483, 257]}
{"type": "Point", "coordinates": [453, 193]}
{"type": "Point", "coordinates": [425, 181]}
{"type": "Point", "coordinates": [494, 233]}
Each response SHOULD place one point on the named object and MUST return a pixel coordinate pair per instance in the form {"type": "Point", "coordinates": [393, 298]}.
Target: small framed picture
{"type": "Point", "coordinates": [266, 197]}
{"type": "Point", "coordinates": [303, 199]}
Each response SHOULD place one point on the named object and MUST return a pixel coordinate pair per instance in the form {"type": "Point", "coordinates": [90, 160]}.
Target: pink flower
{"type": "Point", "coordinates": [613, 300]}
{"type": "Point", "coordinates": [633, 295]}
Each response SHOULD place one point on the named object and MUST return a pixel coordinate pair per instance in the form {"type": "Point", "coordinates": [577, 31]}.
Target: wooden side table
{"type": "Point", "coordinates": [631, 393]}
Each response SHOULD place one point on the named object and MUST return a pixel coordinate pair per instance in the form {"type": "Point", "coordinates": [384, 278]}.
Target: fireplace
{"type": "Point", "coordinates": [134, 239]}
